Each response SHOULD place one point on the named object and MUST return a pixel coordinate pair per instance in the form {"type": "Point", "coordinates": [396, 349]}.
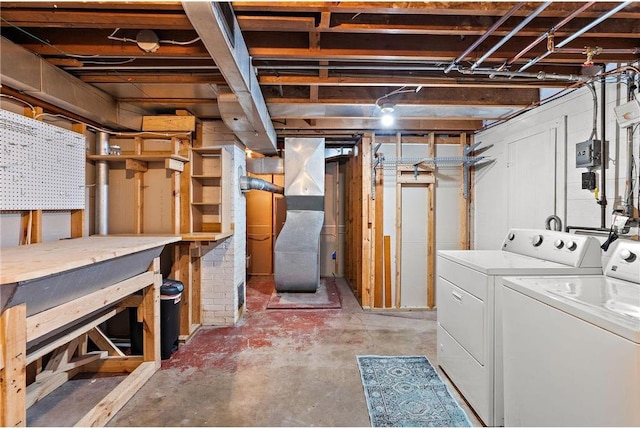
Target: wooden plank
{"type": "Point", "coordinates": [431, 234]}
{"type": "Point", "coordinates": [367, 217]}
{"type": "Point", "coordinates": [182, 272]}
{"type": "Point", "coordinates": [135, 165]}
{"type": "Point", "coordinates": [58, 256]}
{"type": "Point", "coordinates": [169, 123]}
{"type": "Point", "coordinates": [25, 228]}
{"type": "Point", "coordinates": [378, 234]}
{"type": "Point", "coordinates": [138, 202]}
{"type": "Point", "coordinates": [13, 373]}
{"type": "Point", "coordinates": [176, 198]}
{"type": "Point", "coordinates": [104, 343]}
{"type": "Point", "coordinates": [174, 164]}
{"type": "Point", "coordinates": [41, 388]}
{"type": "Point", "coordinates": [387, 271]}
{"type": "Point", "coordinates": [464, 203]}
{"type": "Point", "coordinates": [150, 309]}
{"type": "Point", "coordinates": [118, 397]}
{"type": "Point", "coordinates": [196, 288]}
{"type": "Point", "coordinates": [36, 227]}
{"type": "Point", "coordinates": [40, 352]}
{"type": "Point", "coordinates": [398, 225]}
{"type": "Point", "coordinates": [185, 192]}
{"type": "Point", "coordinates": [77, 223]}
{"type": "Point", "coordinates": [54, 318]}
{"type": "Point", "coordinates": [114, 365]}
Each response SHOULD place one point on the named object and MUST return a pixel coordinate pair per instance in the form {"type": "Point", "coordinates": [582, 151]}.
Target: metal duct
{"type": "Point", "coordinates": [244, 111]}
{"type": "Point", "coordinates": [269, 165]}
{"type": "Point", "coordinates": [252, 183]}
{"type": "Point", "coordinates": [102, 185]}
{"type": "Point", "coordinates": [28, 73]}
{"type": "Point", "coordinates": [297, 249]}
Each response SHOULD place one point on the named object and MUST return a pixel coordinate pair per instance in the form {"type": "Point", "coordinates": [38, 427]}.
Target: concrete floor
{"type": "Point", "coordinates": [279, 367]}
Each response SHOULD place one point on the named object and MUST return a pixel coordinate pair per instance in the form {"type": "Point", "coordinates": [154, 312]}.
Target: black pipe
{"type": "Point", "coordinates": [604, 157]}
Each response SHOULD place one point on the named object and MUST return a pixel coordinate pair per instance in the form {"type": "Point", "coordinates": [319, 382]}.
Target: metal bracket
{"type": "Point", "coordinates": [470, 160]}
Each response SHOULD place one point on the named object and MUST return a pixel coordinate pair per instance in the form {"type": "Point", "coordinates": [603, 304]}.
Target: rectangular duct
{"type": "Point", "coordinates": [297, 249]}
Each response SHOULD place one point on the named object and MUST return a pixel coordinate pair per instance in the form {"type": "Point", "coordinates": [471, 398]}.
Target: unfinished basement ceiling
{"type": "Point", "coordinates": [323, 66]}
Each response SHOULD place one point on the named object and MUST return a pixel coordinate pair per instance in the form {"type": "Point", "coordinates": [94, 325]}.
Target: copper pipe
{"type": "Point", "coordinates": [482, 38]}
{"type": "Point", "coordinates": [551, 31]}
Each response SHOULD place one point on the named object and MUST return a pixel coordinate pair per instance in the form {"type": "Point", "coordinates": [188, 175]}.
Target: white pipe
{"type": "Point", "coordinates": [512, 33]}
{"type": "Point", "coordinates": [577, 34]}
{"type": "Point", "coordinates": [102, 185]}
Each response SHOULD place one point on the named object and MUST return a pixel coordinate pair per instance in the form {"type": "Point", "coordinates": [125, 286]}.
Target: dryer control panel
{"type": "Point", "coordinates": [625, 262]}
{"type": "Point", "coordinates": [560, 247]}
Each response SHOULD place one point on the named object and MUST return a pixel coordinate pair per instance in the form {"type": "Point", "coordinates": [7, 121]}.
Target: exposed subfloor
{"type": "Point", "coordinates": [290, 367]}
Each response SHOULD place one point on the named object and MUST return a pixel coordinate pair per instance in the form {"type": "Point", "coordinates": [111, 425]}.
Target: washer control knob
{"type": "Point", "coordinates": [572, 245]}
{"type": "Point", "coordinates": [627, 255]}
{"type": "Point", "coordinates": [537, 240]}
{"type": "Point", "coordinates": [558, 243]}
{"type": "Point", "coordinates": [511, 236]}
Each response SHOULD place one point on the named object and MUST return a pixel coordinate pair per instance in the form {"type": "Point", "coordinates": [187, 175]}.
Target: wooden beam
{"type": "Point", "coordinates": [431, 234]}
{"type": "Point", "coordinates": [387, 80]}
{"type": "Point", "coordinates": [77, 223]}
{"type": "Point", "coordinates": [387, 271]}
{"type": "Point", "coordinates": [150, 309]}
{"type": "Point", "coordinates": [60, 18]}
{"type": "Point", "coordinates": [367, 210]}
{"type": "Point", "coordinates": [57, 317]}
{"type": "Point", "coordinates": [118, 397]}
{"type": "Point", "coordinates": [13, 340]}
{"type": "Point", "coordinates": [135, 165]}
{"type": "Point", "coordinates": [378, 238]}
{"type": "Point", "coordinates": [464, 202]}
{"type": "Point", "coordinates": [398, 293]}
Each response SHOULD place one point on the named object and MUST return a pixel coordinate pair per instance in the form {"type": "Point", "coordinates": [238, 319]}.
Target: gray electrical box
{"type": "Point", "coordinates": [588, 154]}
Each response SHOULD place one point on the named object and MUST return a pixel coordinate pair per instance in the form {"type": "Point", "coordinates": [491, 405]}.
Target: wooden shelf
{"type": "Point", "coordinates": [143, 158]}
{"type": "Point", "coordinates": [205, 236]}
{"type": "Point", "coordinates": [206, 177]}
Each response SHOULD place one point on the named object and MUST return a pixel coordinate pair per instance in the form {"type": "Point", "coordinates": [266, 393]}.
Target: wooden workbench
{"type": "Point", "coordinates": [64, 330]}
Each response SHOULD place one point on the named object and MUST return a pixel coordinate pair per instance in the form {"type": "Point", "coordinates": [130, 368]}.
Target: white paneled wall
{"type": "Point", "coordinates": [517, 190]}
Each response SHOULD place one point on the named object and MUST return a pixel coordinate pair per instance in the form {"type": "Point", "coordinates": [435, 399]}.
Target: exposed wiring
{"type": "Point", "coordinates": [172, 42]}
{"type": "Point", "coordinates": [46, 42]}
{"type": "Point", "coordinates": [594, 132]}
{"type": "Point", "coordinates": [33, 109]}
{"type": "Point", "coordinates": [401, 90]}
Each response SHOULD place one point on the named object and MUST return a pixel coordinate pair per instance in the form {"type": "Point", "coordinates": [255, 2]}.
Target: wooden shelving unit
{"type": "Point", "coordinates": [210, 196]}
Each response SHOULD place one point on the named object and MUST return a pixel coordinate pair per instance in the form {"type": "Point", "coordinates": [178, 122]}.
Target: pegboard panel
{"type": "Point", "coordinates": [41, 165]}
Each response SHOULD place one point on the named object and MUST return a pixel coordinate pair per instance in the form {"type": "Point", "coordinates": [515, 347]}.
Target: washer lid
{"type": "Point", "coordinates": [497, 262]}
{"type": "Point", "coordinates": [611, 304]}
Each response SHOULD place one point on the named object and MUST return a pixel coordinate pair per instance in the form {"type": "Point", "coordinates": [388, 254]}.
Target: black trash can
{"type": "Point", "coordinates": [170, 295]}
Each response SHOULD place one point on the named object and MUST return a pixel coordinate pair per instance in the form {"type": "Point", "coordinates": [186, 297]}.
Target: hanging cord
{"type": "Point", "coordinates": [33, 109]}
{"type": "Point", "coordinates": [112, 36]}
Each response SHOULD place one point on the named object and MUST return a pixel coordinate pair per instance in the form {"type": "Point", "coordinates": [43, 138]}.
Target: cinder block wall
{"type": "Point", "coordinates": [223, 269]}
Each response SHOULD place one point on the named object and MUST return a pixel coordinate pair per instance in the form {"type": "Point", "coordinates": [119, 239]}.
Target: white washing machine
{"type": "Point", "coordinates": [468, 298]}
{"type": "Point", "coordinates": [572, 347]}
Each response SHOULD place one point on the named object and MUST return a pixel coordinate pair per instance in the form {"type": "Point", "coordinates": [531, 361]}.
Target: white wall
{"type": "Point", "coordinates": [413, 274]}
{"type": "Point", "coordinates": [515, 191]}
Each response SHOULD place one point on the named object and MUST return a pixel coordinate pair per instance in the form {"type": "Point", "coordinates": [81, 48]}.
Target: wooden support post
{"type": "Point", "coordinates": [182, 272]}
{"type": "Point", "coordinates": [398, 224]}
{"type": "Point", "coordinates": [151, 316]}
{"type": "Point", "coordinates": [431, 233]}
{"type": "Point", "coordinates": [77, 223]}
{"type": "Point", "coordinates": [196, 286]}
{"type": "Point", "coordinates": [176, 210]}
{"type": "Point", "coordinates": [138, 202]}
{"type": "Point", "coordinates": [464, 202]}
{"type": "Point", "coordinates": [13, 381]}
{"type": "Point", "coordinates": [387, 271]}
{"type": "Point", "coordinates": [367, 210]}
{"type": "Point", "coordinates": [378, 238]}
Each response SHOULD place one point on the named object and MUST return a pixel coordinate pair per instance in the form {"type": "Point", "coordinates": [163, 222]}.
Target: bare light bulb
{"type": "Point", "coordinates": [387, 120]}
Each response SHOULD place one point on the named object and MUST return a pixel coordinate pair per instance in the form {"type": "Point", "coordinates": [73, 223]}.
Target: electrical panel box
{"type": "Point", "coordinates": [588, 154]}
{"type": "Point", "coordinates": [589, 180]}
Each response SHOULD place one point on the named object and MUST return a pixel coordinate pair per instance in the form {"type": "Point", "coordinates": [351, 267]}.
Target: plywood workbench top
{"type": "Point", "coordinates": [38, 260]}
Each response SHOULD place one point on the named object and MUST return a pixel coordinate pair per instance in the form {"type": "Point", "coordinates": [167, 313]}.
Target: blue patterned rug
{"type": "Point", "coordinates": [407, 392]}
